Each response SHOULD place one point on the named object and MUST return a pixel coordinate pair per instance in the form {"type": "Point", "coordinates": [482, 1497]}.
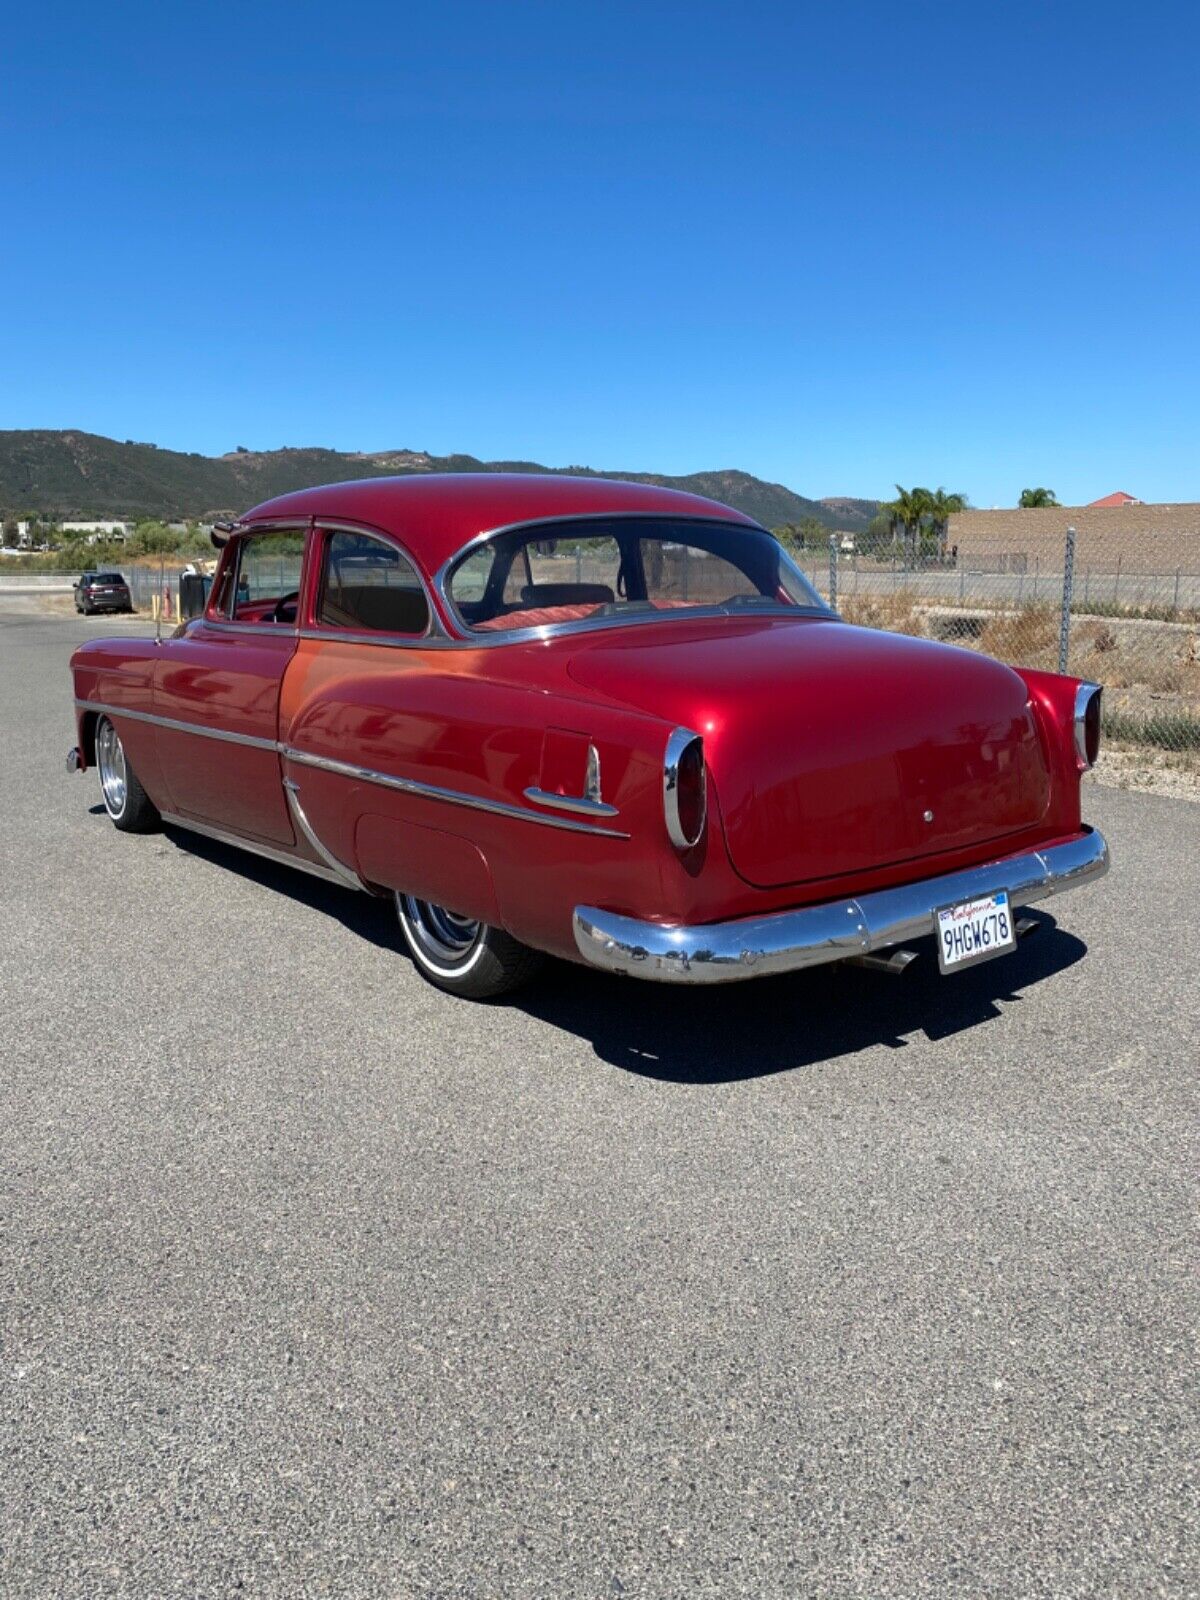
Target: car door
{"type": "Point", "coordinates": [217, 690]}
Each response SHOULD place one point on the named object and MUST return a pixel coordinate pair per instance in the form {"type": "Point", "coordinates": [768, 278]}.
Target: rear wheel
{"type": "Point", "coordinates": [460, 955]}
{"type": "Point", "coordinates": [126, 802]}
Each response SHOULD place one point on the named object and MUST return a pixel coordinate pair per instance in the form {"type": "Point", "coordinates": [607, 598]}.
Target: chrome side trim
{"type": "Point", "coordinates": [787, 941]}
{"type": "Point", "coordinates": [177, 726]}
{"type": "Point", "coordinates": [571, 802]}
{"type": "Point", "coordinates": [268, 853]}
{"type": "Point", "coordinates": [340, 871]}
{"type": "Point", "coordinates": [429, 791]}
{"type": "Point", "coordinates": [346, 769]}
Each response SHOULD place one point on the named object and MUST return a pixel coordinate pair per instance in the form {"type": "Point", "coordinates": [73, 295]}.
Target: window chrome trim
{"type": "Point", "coordinates": [243, 529]}
{"type": "Point", "coordinates": [388, 641]}
{"type": "Point", "coordinates": [343, 873]}
{"type": "Point", "coordinates": [434, 627]}
{"type": "Point", "coordinates": [277, 630]}
{"type": "Point", "coordinates": [550, 630]}
{"type": "Point", "coordinates": [429, 791]}
{"type": "Point", "coordinates": [177, 726]}
{"type": "Point", "coordinates": [280, 857]}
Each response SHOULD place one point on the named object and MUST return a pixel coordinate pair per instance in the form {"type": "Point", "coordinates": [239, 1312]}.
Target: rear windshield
{"type": "Point", "coordinates": [108, 577]}
{"type": "Point", "coordinates": [611, 570]}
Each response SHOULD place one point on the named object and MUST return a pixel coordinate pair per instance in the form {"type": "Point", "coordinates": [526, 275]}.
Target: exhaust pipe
{"type": "Point", "coordinates": [74, 760]}
{"type": "Point", "coordinates": [899, 961]}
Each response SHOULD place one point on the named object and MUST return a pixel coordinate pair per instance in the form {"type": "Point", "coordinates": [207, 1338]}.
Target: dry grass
{"type": "Point", "coordinates": [1028, 637]}
{"type": "Point", "coordinates": [896, 613]}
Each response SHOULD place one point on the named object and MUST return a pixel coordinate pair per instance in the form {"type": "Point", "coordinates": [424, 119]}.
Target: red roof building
{"type": "Point", "coordinates": [1118, 499]}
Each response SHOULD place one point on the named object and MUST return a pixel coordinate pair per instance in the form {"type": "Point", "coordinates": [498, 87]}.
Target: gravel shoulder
{"type": "Point", "coordinates": [317, 1282]}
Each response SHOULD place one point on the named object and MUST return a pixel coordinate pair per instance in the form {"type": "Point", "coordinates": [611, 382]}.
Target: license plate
{"type": "Point", "coordinates": [973, 931]}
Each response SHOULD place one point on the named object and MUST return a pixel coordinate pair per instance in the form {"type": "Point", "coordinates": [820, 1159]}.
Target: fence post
{"type": "Point", "coordinates": [1175, 606]}
{"type": "Point", "coordinates": [1064, 625]}
{"type": "Point", "coordinates": [833, 555]}
{"type": "Point", "coordinates": [1117, 582]}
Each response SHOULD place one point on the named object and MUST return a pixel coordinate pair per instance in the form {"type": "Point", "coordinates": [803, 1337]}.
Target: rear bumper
{"type": "Point", "coordinates": [754, 947]}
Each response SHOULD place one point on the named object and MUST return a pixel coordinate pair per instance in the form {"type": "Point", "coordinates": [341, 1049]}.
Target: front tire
{"type": "Point", "coordinates": [466, 958]}
{"type": "Point", "coordinates": [127, 803]}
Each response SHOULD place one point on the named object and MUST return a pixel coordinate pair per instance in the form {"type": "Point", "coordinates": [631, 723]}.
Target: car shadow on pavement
{"type": "Point", "coordinates": [725, 1033]}
{"type": "Point", "coordinates": [370, 917]}
{"type": "Point", "coordinates": [750, 1030]}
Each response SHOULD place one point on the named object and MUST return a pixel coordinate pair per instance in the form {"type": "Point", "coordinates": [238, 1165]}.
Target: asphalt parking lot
{"type": "Point", "coordinates": [316, 1282]}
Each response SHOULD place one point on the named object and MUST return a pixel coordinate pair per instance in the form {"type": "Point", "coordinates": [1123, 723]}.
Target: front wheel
{"type": "Point", "coordinates": [462, 956]}
{"type": "Point", "coordinates": [126, 802]}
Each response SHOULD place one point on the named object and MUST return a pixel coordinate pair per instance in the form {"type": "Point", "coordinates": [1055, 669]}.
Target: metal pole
{"type": "Point", "coordinates": [1175, 606]}
{"type": "Point", "coordinates": [1064, 625]}
{"type": "Point", "coordinates": [833, 555]}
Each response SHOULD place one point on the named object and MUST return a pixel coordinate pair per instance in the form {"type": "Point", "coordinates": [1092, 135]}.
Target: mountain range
{"type": "Point", "coordinates": [61, 472]}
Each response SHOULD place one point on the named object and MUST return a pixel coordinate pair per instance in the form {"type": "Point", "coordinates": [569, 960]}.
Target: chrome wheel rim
{"type": "Point", "coordinates": [110, 758]}
{"type": "Point", "coordinates": [441, 937]}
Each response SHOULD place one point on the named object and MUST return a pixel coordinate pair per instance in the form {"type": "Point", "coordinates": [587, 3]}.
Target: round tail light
{"type": "Point", "coordinates": [1087, 722]}
{"type": "Point", "coordinates": [685, 788]}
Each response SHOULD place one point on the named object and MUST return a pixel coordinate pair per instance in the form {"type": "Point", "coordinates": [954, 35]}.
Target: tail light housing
{"type": "Point", "coordinates": [1087, 723]}
{"type": "Point", "coordinates": [685, 788]}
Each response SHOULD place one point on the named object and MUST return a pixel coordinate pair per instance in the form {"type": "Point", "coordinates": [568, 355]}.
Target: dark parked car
{"type": "Point", "coordinates": [102, 591]}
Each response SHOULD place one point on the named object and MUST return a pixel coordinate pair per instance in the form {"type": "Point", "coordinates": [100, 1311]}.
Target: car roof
{"type": "Point", "coordinates": [435, 514]}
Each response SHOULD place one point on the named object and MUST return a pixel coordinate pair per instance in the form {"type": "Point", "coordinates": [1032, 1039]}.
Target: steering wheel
{"type": "Point", "coordinates": [282, 604]}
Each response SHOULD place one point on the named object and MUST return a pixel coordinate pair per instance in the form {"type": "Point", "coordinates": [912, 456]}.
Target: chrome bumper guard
{"type": "Point", "coordinates": [755, 947]}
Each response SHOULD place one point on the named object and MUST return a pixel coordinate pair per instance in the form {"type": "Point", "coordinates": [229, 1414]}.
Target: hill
{"type": "Point", "coordinates": [65, 473]}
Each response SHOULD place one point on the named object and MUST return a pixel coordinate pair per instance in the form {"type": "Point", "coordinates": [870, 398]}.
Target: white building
{"type": "Point", "coordinates": [109, 531]}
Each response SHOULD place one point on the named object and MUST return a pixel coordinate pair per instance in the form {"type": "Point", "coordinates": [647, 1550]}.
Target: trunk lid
{"type": "Point", "coordinates": [835, 749]}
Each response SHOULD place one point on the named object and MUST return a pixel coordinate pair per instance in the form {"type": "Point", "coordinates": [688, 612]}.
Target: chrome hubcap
{"type": "Point", "coordinates": [110, 758]}
{"type": "Point", "coordinates": [443, 936]}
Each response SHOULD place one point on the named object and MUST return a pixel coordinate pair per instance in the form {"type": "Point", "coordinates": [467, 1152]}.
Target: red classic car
{"type": "Point", "coordinates": [608, 721]}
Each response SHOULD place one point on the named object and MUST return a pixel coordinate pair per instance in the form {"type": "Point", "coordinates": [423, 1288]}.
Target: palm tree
{"type": "Point", "coordinates": [942, 507]}
{"type": "Point", "coordinates": [907, 512]}
{"type": "Point", "coordinates": [1030, 498]}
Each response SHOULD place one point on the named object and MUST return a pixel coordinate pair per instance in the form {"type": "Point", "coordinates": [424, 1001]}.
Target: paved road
{"type": "Point", "coordinates": [318, 1283]}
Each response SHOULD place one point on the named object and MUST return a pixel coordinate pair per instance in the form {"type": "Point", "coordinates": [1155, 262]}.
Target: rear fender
{"type": "Point", "coordinates": [1052, 696]}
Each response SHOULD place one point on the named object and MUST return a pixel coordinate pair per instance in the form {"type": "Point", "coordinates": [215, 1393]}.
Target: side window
{"type": "Point", "coordinates": [260, 581]}
{"type": "Point", "coordinates": [367, 586]}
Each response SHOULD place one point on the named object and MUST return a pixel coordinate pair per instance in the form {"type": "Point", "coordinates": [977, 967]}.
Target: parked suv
{"type": "Point", "coordinates": [102, 591]}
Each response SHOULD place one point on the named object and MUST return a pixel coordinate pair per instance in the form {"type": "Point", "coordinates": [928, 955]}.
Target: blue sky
{"type": "Point", "coordinates": [837, 246]}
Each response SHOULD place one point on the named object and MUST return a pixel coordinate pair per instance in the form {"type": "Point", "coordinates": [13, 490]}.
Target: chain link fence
{"type": "Point", "coordinates": [1129, 619]}
{"type": "Point", "coordinates": [1124, 613]}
